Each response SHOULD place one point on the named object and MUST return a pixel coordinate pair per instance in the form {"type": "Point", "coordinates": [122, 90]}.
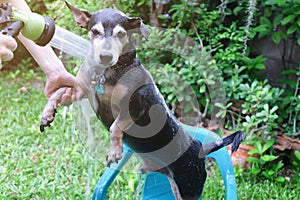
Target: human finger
{"type": "Point", "coordinates": [11, 43]}
{"type": "Point", "coordinates": [8, 55]}
{"type": "Point", "coordinates": [66, 98]}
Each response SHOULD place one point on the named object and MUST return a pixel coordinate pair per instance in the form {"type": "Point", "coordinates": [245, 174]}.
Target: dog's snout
{"type": "Point", "coordinates": [106, 58]}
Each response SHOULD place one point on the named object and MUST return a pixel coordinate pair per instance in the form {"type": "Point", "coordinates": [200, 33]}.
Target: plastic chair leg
{"type": "Point", "coordinates": [224, 163]}
{"type": "Point", "coordinates": [109, 175]}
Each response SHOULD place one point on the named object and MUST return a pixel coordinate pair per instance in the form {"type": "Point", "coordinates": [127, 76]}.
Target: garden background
{"type": "Point", "coordinates": [249, 47]}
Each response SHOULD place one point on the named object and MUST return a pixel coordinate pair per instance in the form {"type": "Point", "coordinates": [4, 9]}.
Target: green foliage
{"type": "Point", "coordinates": [204, 22]}
{"type": "Point", "coordinates": [195, 75]}
{"type": "Point", "coordinates": [183, 73]}
{"type": "Point", "coordinates": [283, 24]}
{"type": "Point", "coordinates": [183, 13]}
{"type": "Point", "coordinates": [134, 7]}
{"type": "Point", "coordinates": [259, 103]}
{"type": "Point", "coordinates": [258, 110]}
{"type": "Point", "coordinates": [296, 159]}
{"type": "Point", "coordinates": [251, 187]}
{"type": "Point", "coordinates": [291, 102]}
{"type": "Point", "coordinates": [263, 163]}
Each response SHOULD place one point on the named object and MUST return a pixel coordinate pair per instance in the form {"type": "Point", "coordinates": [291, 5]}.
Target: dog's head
{"type": "Point", "coordinates": [109, 32]}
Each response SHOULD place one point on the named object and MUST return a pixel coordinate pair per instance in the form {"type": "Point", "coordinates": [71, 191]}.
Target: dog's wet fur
{"type": "Point", "coordinates": [125, 98]}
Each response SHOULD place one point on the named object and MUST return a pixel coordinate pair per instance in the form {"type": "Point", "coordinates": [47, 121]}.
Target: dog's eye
{"type": "Point", "coordinates": [96, 32]}
{"type": "Point", "coordinates": [121, 34]}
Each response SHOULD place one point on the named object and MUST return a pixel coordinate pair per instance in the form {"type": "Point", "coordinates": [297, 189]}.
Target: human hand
{"type": "Point", "coordinates": [63, 79]}
{"type": "Point", "coordinates": [56, 80]}
{"type": "Point", "coordinates": [70, 95]}
{"type": "Point", "coordinates": [7, 45]}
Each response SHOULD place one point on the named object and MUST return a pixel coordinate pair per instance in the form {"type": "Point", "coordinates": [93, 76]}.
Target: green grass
{"type": "Point", "coordinates": [59, 163]}
{"type": "Point", "coordinates": [55, 164]}
{"type": "Point", "coordinates": [251, 188]}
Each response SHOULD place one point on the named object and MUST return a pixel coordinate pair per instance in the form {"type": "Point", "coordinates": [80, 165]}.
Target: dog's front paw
{"type": "Point", "coordinates": [48, 115]}
{"type": "Point", "coordinates": [49, 111]}
{"type": "Point", "coordinates": [114, 154]}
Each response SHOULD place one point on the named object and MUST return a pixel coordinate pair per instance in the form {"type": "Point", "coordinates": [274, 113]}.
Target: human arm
{"type": "Point", "coordinates": [57, 75]}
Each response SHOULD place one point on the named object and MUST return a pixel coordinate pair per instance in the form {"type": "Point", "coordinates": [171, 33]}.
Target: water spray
{"type": "Point", "coordinates": [33, 26]}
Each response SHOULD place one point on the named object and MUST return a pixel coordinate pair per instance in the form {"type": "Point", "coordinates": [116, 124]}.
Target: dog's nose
{"type": "Point", "coordinates": [106, 57]}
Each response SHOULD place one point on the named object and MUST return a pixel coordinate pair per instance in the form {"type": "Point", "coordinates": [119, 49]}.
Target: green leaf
{"type": "Point", "coordinates": [258, 147]}
{"type": "Point", "coordinates": [273, 109]}
{"type": "Point", "coordinates": [267, 175]}
{"type": "Point", "coordinates": [277, 36]}
{"type": "Point", "coordinates": [271, 172]}
{"type": "Point", "coordinates": [265, 21]}
{"type": "Point", "coordinates": [220, 105]}
{"type": "Point", "coordinates": [268, 158]}
{"type": "Point", "coordinates": [281, 2]}
{"type": "Point", "coordinates": [237, 9]}
{"type": "Point", "coordinates": [221, 114]}
{"type": "Point", "coordinates": [280, 179]}
{"type": "Point", "coordinates": [268, 145]}
{"type": "Point", "coordinates": [253, 160]}
{"type": "Point", "coordinates": [260, 28]}
{"type": "Point", "coordinates": [140, 3]}
{"type": "Point", "coordinates": [277, 20]}
{"type": "Point", "coordinates": [298, 41]}
{"type": "Point", "coordinates": [252, 152]}
{"type": "Point", "coordinates": [202, 89]}
{"type": "Point", "coordinates": [260, 66]}
{"type": "Point", "coordinates": [297, 154]}
{"type": "Point", "coordinates": [266, 107]}
{"type": "Point", "coordinates": [295, 164]}
{"type": "Point", "coordinates": [271, 2]}
{"type": "Point", "coordinates": [288, 19]}
{"type": "Point", "coordinates": [289, 72]}
{"type": "Point", "coordinates": [261, 114]}
{"type": "Point", "coordinates": [292, 29]}
{"type": "Point", "coordinates": [278, 166]}
{"type": "Point", "coordinates": [255, 171]}
{"type": "Point", "coordinates": [260, 59]}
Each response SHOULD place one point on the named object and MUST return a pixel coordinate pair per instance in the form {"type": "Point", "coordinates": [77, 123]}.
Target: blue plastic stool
{"type": "Point", "coordinates": [157, 186]}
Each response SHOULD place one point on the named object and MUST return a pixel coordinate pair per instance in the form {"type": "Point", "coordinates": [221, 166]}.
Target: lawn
{"type": "Point", "coordinates": [66, 160]}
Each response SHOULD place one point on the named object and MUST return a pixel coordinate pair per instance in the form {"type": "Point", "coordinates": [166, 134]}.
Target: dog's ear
{"type": "Point", "coordinates": [82, 17]}
{"type": "Point", "coordinates": [137, 24]}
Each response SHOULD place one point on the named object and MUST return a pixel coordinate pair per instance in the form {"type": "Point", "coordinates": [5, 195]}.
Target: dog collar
{"type": "Point", "coordinates": [124, 61]}
{"type": "Point", "coordinates": [100, 89]}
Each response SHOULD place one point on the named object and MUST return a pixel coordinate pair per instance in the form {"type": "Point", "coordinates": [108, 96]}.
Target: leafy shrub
{"type": "Point", "coordinates": [263, 162]}
{"type": "Point", "coordinates": [183, 73]}
{"type": "Point", "coordinates": [280, 19]}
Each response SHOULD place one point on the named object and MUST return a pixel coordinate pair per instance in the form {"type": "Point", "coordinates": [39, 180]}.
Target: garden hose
{"type": "Point", "coordinates": [33, 26]}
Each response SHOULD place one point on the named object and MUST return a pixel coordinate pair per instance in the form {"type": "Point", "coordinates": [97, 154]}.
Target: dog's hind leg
{"type": "Point", "coordinates": [175, 189]}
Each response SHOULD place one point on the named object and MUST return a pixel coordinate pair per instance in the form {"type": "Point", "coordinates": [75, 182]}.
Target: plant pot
{"type": "Point", "coordinates": [240, 156]}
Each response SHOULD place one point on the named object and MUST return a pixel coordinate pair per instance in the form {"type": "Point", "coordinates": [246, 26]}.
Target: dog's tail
{"type": "Point", "coordinates": [235, 138]}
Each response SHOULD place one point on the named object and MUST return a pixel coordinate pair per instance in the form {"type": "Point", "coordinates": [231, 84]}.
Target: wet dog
{"type": "Point", "coordinates": [125, 98]}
